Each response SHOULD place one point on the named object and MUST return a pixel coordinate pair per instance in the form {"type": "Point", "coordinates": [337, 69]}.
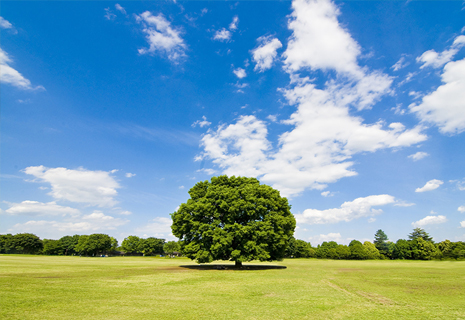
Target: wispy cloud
{"type": "Point", "coordinates": [161, 37]}
{"type": "Point", "coordinates": [10, 76]}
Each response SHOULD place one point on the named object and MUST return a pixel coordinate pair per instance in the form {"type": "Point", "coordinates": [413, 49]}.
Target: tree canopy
{"type": "Point", "coordinates": [233, 218]}
{"type": "Point", "coordinates": [420, 233]}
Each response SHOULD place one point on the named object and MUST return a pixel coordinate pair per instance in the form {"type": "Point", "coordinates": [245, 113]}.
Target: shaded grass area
{"type": "Point", "coordinates": [39, 287]}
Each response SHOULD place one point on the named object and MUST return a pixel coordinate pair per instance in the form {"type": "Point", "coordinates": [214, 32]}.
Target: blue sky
{"type": "Point", "coordinates": [355, 111]}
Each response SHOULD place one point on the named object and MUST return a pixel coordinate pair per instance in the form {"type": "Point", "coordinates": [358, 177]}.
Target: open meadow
{"type": "Point", "coordinates": [46, 287]}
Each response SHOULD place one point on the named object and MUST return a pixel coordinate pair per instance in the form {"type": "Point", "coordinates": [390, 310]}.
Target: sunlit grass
{"type": "Point", "coordinates": [39, 287]}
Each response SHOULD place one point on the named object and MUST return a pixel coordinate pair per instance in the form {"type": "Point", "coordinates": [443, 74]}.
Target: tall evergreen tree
{"type": "Point", "coordinates": [381, 242]}
{"type": "Point", "coordinates": [420, 233]}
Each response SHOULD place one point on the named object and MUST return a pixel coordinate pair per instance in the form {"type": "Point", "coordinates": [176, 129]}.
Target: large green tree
{"type": "Point", "coordinates": [94, 244]}
{"type": "Point", "coordinates": [151, 246]}
{"type": "Point", "coordinates": [27, 243]}
{"type": "Point", "coordinates": [171, 247]}
{"type": "Point", "coordinates": [131, 244]}
{"type": "Point", "coordinates": [233, 218]}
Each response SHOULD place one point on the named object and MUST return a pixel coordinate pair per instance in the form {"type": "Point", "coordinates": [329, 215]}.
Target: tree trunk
{"type": "Point", "coordinates": [238, 264]}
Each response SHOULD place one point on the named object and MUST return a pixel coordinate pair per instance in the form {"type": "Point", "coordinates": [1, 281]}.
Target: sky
{"type": "Point", "coordinates": [112, 111]}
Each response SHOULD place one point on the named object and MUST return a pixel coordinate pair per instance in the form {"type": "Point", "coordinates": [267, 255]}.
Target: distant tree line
{"type": "Point", "coordinates": [86, 245]}
{"type": "Point", "coordinates": [419, 246]}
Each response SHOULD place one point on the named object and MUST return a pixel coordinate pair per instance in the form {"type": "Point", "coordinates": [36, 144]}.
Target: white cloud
{"type": "Point", "coordinates": [325, 133]}
{"type": "Point", "coordinates": [159, 227]}
{"type": "Point", "coordinates": [35, 208]}
{"type": "Point", "coordinates": [265, 53]}
{"type": "Point", "coordinates": [418, 156]}
{"type": "Point", "coordinates": [208, 171]}
{"type": "Point", "coordinates": [233, 24]}
{"type": "Point", "coordinates": [462, 224]}
{"type": "Point", "coordinates": [430, 185]}
{"type": "Point", "coordinates": [326, 237]}
{"type": "Point", "coordinates": [437, 60]}
{"type": "Point", "coordinates": [109, 15]}
{"type": "Point", "coordinates": [120, 8]}
{"type": "Point", "coordinates": [460, 184]}
{"type": "Point", "coordinates": [350, 210]}
{"type": "Point", "coordinates": [318, 41]}
{"type": "Point", "coordinates": [201, 123]}
{"type": "Point", "coordinates": [461, 209]}
{"type": "Point", "coordinates": [5, 24]}
{"type": "Point", "coordinates": [83, 186]}
{"type": "Point", "coordinates": [125, 213]}
{"type": "Point", "coordinates": [400, 203]}
{"type": "Point", "coordinates": [429, 220]}
{"type": "Point", "coordinates": [400, 64]}
{"type": "Point", "coordinates": [327, 194]}
{"type": "Point", "coordinates": [445, 107]}
{"type": "Point", "coordinates": [11, 76]}
{"type": "Point", "coordinates": [181, 187]}
{"type": "Point", "coordinates": [130, 175]}
{"type": "Point", "coordinates": [240, 73]}
{"type": "Point", "coordinates": [94, 222]}
{"type": "Point", "coordinates": [222, 35]}
{"type": "Point", "coordinates": [161, 36]}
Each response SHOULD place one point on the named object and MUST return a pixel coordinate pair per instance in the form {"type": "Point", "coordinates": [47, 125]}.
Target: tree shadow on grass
{"type": "Point", "coordinates": [244, 267]}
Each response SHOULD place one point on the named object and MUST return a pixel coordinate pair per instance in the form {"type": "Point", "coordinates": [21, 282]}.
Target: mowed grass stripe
{"type": "Point", "coordinates": [41, 287]}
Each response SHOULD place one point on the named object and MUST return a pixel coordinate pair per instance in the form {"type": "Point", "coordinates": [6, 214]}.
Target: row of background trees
{"type": "Point", "coordinates": [87, 245]}
{"type": "Point", "coordinates": [419, 246]}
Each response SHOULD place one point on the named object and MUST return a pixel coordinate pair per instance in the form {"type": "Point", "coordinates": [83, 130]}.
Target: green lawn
{"type": "Point", "coordinates": [40, 287]}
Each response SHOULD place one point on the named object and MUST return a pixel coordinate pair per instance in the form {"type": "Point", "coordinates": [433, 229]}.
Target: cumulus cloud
{"type": "Point", "coordinates": [201, 123]}
{"type": "Point", "coordinates": [326, 237]}
{"type": "Point", "coordinates": [462, 224]}
{"type": "Point", "coordinates": [130, 175]}
{"type": "Point", "coordinates": [433, 59]}
{"type": "Point", "coordinates": [430, 185]}
{"type": "Point", "coordinates": [222, 35]}
{"type": "Point", "coordinates": [327, 194]}
{"type": "Point", "coordinates": [318, 40]}
{"type": "Point", "coordinates": [350, 210]}
{"type": "Point", "coordinates": [429, 220]}
{"type": "Point", "coordinates": [461, 209]}
{"type": "Point", "coordinates": [10, 76]}
{"type": "Point", "coordinates": [96, 188]}
{"type": "Point", "coordinates": [240, 73]}
{"type": "Point", "coordinates": [35, 208]}
{"type": "Point", "coordinates": [225, 34]}
{"type": "Point", "coordinates": [418, 156]}
{"type": "Point", "coordinates": [317, 150]}
{"type": "Point", "coordinates": [445, 107]}
{"type": "Point", "coordinates": [161, 36]}
{"type": "Point", "coordinates": [265, 53]}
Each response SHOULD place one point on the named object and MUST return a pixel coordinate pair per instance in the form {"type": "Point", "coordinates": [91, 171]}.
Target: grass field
{"type": "Point", "coordinates": [40, 287]}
